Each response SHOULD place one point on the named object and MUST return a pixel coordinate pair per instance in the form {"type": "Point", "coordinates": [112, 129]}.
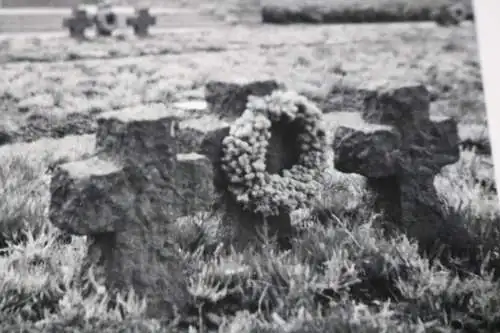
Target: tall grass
{"type": "Point", "coordinates": [342, 275]}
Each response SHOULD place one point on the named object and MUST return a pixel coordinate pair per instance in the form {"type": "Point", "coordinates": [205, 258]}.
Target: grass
{"type": "Point", "coordinates": [341, 276]}
{"type": "Point", "coordinates": [48, 96]}
{"type": "Point", "coordinates": [326, 268]}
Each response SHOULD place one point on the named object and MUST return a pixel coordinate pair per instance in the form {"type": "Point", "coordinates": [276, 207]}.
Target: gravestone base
{"type": "Point", "coordinates": [243, 229]}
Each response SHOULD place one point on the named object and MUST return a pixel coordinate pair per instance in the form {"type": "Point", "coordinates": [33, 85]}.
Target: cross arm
{"type": "Point", "coordinates": [436, 143]}
{"type": "Point", "coordinates": [369, 150]}
{"type": "Point", "coordinates": [89, 197]}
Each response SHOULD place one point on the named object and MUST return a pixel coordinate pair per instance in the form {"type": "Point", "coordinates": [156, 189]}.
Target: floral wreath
{"type": "Point", "coordinates": [104, 9]}
{"type": "Point", "coordinates": [244, 154]}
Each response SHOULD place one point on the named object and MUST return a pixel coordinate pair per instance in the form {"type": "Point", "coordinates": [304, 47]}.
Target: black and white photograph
{"type": "Point", "coordinates": [247, 166]}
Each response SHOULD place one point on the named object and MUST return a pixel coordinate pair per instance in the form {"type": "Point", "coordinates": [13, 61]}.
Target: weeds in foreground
{"type": "Point", "coordinates": [341, 275]}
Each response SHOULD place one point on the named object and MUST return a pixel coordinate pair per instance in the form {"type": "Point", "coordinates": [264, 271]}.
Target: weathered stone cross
{"type": "Point", "coordinates": [125, 196]}
{"type": "Point", "coordinates": [77, 23]}
{"type": "Point", "coordinates": [400, 148]}
{"type": "Point", "coordinates": [141, 22]}
{"type": "Point", "coordinates": [226, 100]}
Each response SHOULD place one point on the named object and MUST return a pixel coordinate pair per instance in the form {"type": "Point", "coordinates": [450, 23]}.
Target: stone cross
{"type": "Point", "coordinates": [225, 101]}
{"type": "Point", "coordinates": [77, 23]}
{"type": "Point", "coordinates": [400, 148]}
{"type": "Point", "coordinates": [141, 22]}
{"type": "Point", "coordinates": [124, 197]}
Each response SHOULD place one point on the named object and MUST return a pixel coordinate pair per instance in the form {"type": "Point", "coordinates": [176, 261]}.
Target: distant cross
{"type": "Point", "coordinates": [77, 23]}
{"type": "Point", "coordinates": [141, 22]}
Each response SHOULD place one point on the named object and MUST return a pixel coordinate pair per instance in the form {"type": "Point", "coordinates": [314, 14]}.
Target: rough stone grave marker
{"type": "Point", "coordinates": [242, 227]}
{"type": "Point", "coordinates": [400, 148]}
{"type": "Point", "coordinates": [226, 101]}
{"type": "Point", "coordinates": [77, 23]}
{"type": "Point", "coordinates": [141, 22]}
{"type": "Point", "coordinates": [125, 196]}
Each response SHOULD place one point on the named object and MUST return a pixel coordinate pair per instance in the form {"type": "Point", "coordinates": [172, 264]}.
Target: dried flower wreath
{"type": "Point", "coordinates": [245, 148]}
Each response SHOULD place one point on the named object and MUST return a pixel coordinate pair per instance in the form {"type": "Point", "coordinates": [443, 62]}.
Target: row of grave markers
{"type": "Point", "coordinates": [156, 163]}
{"type": "Point", "coordinates": [80, 21]}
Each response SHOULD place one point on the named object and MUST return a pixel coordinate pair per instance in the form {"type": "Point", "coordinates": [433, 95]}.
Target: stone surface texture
{"type": "Point", "coordinates": [192, 131]}
{"type": "Point", "coordinates": [341, 99]}
{"type": "Point", "coordinates": [125, 196]}
{"type": "Point", "coordinates": [229, 98]}
{"type": "Point", "coordinates": [400, 148]}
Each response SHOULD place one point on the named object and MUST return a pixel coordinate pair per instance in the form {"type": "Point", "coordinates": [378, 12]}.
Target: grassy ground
{"type": "Point", "coordinates": [47, 97]}
{"type": "Point", "coordinates": [343, 276]}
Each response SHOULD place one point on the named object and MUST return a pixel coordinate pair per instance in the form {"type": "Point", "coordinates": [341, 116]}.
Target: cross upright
{"type": "Point", "coordinates": [400, 148]}
{"type": "Point", "coordinates": [124, 198]}
{"type": "Point", "coordinates": [228, 98]}
{"type": "Point", "coordinates": [77, 23]}
{"type": "Point", "coordinates": [141, 22]}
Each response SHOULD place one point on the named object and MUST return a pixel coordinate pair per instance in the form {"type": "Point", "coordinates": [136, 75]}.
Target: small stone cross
{"type": "Point", "coordinates": [141, 22]}
{"type": "Point", "coordinates": [125, 196]}
{"type": "Point", "coordinates": [77, 23]}
{"type": "Point", "coordinates": [225, 101]}
{"type": "Point", "coordinates": [400, 148]}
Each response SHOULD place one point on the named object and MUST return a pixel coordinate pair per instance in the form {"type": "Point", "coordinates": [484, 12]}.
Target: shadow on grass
{"type": "Point", "coordinates": [279, 14]}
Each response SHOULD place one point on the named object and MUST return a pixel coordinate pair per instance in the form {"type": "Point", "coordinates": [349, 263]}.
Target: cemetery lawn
{"type": "Point", "coordinates": [343, 276]}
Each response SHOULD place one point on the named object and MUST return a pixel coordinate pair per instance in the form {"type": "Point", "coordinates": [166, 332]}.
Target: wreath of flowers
{"type": "Point", "coordinates": [105, 9]}
{"type": "Point", "coordinates": [245, 148]}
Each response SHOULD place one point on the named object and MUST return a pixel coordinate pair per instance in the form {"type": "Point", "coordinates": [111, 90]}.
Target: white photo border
{"type": "Point", "coordinates": [487, 24]}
